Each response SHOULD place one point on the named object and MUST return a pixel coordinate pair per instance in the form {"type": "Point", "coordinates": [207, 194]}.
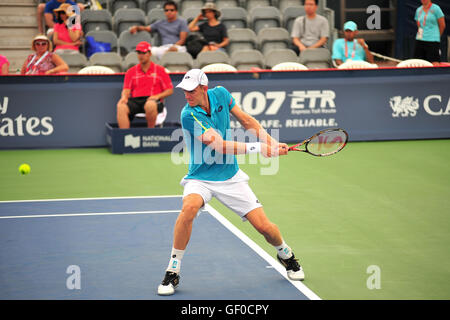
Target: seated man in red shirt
{"type": "Point", "coordinates": [144, 89]}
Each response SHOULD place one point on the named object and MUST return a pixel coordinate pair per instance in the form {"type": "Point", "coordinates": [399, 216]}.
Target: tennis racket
{"type": "Point", "coordinates": [323, 143]}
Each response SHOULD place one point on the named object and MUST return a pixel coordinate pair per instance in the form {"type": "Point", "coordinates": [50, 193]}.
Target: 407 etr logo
{"type": "Point", "coordinates": [300, 102]}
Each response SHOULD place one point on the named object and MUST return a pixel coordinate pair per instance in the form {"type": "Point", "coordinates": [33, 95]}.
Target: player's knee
{"type": "Point", "coordinates": [189, 211]}
{"type": "Point", "coordinates": [150, 107]}
{"type": "Point", "coordinates": [122, 108]}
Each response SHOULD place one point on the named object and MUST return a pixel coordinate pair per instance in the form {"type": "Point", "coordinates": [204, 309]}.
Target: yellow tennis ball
{"type": "Point", "coordinates": [24, 168]}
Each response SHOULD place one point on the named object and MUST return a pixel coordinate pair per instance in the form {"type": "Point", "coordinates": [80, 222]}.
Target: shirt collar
{"type": "Point", "coordinates": [212, 104]}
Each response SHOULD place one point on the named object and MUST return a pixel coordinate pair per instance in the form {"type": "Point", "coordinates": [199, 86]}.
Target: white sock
{"type": "Point", "coordinates": [175, 260]}
{"type": "Point", "coordinates": [284, 251]}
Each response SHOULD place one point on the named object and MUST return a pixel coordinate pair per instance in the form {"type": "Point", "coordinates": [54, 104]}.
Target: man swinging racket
{"type": "Point", "coordinates": [206, 123]}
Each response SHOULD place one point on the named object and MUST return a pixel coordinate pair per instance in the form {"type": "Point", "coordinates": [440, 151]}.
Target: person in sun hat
{"type": "Point", "coordinates": [49, 15]}
{"type": "Point", "coordinates": [43, 61]}
{"type": "Point", "coordinates": [145, 87]}
{"type": "Point", "coordinates": [214, 171]}
{"type": "Point", "coordinates": [67, 31]}
{"type": "Point", "coordinates": [351, 48]}
{"type": "Point", "coordinates": [214, 32]}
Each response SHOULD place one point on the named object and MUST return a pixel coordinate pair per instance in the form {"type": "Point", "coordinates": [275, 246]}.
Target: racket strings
{"type": "Point", "coordinates": [327, 143]}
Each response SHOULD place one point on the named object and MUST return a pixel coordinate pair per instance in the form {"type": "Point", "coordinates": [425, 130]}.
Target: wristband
{"type": "Point", "coordinates": [254, 147]}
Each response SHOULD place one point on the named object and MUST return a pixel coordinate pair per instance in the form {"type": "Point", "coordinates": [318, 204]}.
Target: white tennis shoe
{"type": "Point", "coordinates": [169, 284]}
{"type": "Point", "coordinates": [293, 268]}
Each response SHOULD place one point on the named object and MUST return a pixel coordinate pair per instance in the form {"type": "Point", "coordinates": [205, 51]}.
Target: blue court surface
{"type": "Point", "coordinates": [119, 248]}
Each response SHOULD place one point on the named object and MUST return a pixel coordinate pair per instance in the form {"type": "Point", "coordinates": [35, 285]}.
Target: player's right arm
{"type": "Point", "coordinates": [202, 131]}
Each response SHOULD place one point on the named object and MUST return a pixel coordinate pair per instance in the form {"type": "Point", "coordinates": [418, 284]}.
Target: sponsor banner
{"type": "Point", "coordinates": [370, 105]}
{"type": "Point", "coordinates": [136, 140]}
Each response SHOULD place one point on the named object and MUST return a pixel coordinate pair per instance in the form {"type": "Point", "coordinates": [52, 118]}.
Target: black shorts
{"type": "Point", "coordinates": [427, 50]}
{"type": "Point", "coordinates": [136, 105]}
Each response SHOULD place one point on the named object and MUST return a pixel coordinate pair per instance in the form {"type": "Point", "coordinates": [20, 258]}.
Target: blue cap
{"type": "Point", "coordinates": [350, 25]}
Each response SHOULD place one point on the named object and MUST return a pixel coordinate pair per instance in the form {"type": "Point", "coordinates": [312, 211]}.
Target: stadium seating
{"type": "Point", "coordinates": [190, 13]}
{"type": "Point", "coordinates": [234, 17]}
{"type": "Point", "coordinates": [284, 4]}
{"type": "Point", "coordinates": [221, 4]}
{"type": "Point", "coordinates": [241, 39]}
{"type": "Point", "coordinates": [96, 20]}
{"type": "Point", "coordinates": [289, 16]}
{"type": "Point", "coordinates": [277, 56]}
{"type": "Point", "coordinates": [210, 57]}
{"type": "Point", "coordinates": [154, 15]}
{"type": "Point", "coordinates": [75, 61]}
{"type": "Point", "coordinates": [105, 36]}
{"type": "Point", "coordinates": [177, 61]}
{"type": "Point", "coordinates": [250, 4]}
{"type": "Point", "coordinates": [107, 59]}
{"type": "Point", "coordinates": [261, 25]}
{"type": "Point", "coordinates": [247, 60]}
{"type": "Point", "coordinates": [148, 5]}
{"type": "Point", "coordinates": [115, 5]}
{"type": "Point", "coordinates": [264, 17]}
{"type": "Point", "coordinates": [190, 4]}
{"type": "Point", "coordinates": [319, 58]}
{"type": "Point", "coordinates": [273, 38]}
{"type": "Point", "coordinates": [126, 18]}
{"type": "Point", "coordinates": [128, 41]}
{"type": "Point", "coordinates": [130, 60]}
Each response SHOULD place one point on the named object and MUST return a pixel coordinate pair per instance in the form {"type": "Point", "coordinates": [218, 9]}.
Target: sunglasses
{"type": "Point", "coordinates": [39, 43]}
{"type": "Point", "coordinates": [140, 52]}
{"type": "Point", "coordinates": [166, 10]}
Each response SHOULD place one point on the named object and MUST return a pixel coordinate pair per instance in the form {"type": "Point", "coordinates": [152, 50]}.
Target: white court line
{"type": "Point", "coordinates": [277, 266]}
{"type": "Point", "coordinates": [100, 198]}
{"type": "Point", "coordinates": [233, 229]}
{"type": "Point", "coordinates": [88, 214]}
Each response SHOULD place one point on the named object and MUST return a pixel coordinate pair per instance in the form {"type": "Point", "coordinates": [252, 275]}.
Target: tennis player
{"type": "Point", "coordinates": [213, 171]}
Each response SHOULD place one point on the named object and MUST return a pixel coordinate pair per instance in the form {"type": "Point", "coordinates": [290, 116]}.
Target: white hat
{"type": "Point", "coordinates": [192, 79]}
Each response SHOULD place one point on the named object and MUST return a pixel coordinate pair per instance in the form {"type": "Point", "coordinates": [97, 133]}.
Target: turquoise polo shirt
{"type": "Point", "coordinates": [431, 29]}
{"type": "Point", "coordinates": [339, 51]}
{"type": "Point", "coordinates": [204, 162]}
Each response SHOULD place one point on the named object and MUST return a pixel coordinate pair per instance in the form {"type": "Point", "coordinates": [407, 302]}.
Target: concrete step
{"type": "Point", "coordinates": [15, 32]}
{"type": "Point", "coordinates": [18, 21]}
{"type": "Point", "coordinates": [20, 2]}
{"type": "Point", "coordinates": [16, 57]}
{"type": "Point", "coordinates": [23, 9]}
{"type": "Point", "coordinates": [15, 42]}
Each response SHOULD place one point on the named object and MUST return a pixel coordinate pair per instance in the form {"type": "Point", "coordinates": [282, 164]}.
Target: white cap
{"type": "Point", "coordinates": [192, 79]}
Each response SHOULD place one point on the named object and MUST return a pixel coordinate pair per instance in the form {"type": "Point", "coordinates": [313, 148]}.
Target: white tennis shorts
{"type": "Point", "coordinates": [234, 193]}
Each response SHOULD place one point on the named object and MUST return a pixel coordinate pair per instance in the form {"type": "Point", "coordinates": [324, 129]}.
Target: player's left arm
{"type": "Point", "coordinates": [252, 125]}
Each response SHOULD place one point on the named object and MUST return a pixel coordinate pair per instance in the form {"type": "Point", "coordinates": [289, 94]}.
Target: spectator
{"type": "Point", "coordinates": [431, 25]}
{"type": "Point", "coordinates": [49, 15]}
{"type": "Point", "coordinates": [4, 65]}
{"type": "Point", "coordinates": [144, 89]}
{"type": "Point", "coordinates": [67, 31]}
{"type": "Point", "coordinates": [310, 31]}
{"type": "Point", "coordinates": [40, 14]}
{"type": "Point", "coordinates": [350, 48]}
{"type": "Point", "coordinates": [43, 61]}
{"type": "Point", "coordinates": [173, 30]}
{"type": "Point", "coordinates": [214, 32]}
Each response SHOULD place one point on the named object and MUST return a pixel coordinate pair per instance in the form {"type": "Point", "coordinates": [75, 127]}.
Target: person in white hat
{"type": "Point", "coordinates": [43, 61]}
{"type": "Point", "coordinates": [213, 171]}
